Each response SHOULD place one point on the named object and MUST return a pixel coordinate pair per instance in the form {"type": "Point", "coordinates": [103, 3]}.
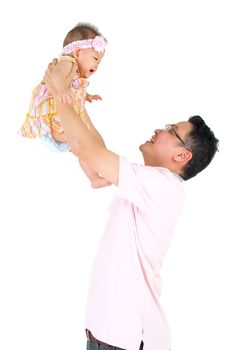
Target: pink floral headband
{"type": "Point", "coordinates": [98, 44]}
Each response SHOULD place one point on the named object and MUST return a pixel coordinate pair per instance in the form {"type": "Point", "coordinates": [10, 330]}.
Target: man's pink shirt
{"type": "Point", "coordinates": [123, 303]}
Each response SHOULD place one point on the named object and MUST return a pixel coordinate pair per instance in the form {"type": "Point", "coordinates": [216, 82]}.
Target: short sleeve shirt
{"type": "Point", "coordinates": [123, 302]}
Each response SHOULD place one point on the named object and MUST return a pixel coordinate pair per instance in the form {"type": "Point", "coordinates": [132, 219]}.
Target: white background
{"type": "Point", "coordinates": [166, 61]}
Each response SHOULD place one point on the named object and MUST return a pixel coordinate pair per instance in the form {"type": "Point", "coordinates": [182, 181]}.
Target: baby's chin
{"type": "Point", "coordinates": [90, 73]}
{"type": "Point", "coordinates": [87, 75]}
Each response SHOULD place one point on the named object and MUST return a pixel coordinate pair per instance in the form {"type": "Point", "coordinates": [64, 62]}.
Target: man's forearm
{"type": "Point", "coordinates": [85, 144]}
{"type": "Point", "coordinates": [94, 132]}
{"type": "Point", "coordinates": [76, 132]}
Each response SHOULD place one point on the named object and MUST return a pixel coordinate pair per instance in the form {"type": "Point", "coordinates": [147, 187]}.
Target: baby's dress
{"type": "Point", "coordinates": [42, 115]}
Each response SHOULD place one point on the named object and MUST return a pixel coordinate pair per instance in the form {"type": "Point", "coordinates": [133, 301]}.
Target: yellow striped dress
{"type": "Point", "coordinates": [42, 115]}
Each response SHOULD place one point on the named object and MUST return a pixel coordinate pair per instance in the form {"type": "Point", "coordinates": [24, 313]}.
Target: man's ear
{"type": "Point", "coordinates": [76, 52]}
{"type": "Point", "coordinates": [183, 157]}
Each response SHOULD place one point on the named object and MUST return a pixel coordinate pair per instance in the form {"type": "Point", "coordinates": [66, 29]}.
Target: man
{"type": "Point", "coordinates": [123, 310]}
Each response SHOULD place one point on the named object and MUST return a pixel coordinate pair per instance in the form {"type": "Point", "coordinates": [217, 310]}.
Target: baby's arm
{"type": "Point", "coordinates": [91, 98]}
{"type": "Point", "coordinates": [62, 78]}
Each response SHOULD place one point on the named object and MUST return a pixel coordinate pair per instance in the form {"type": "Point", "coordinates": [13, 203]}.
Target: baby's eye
{"type": "Point", "coordinates": [95, 58]}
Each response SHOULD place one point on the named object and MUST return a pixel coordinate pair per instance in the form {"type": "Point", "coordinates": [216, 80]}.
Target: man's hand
{"type": "Point", "coordinates": [47, 79]}
{"type": "Point", "coordinates": [65, 95]}
{"type": "Point", "coordinates": [91, 98]}
{"type": "Point", "coordinates": [57, 84]}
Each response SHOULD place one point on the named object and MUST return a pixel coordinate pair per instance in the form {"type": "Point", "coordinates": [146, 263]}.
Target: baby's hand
{"type": "Point", "coordinates": [91, 98]}
{"type": "Point", "coordinates": [66, 96]}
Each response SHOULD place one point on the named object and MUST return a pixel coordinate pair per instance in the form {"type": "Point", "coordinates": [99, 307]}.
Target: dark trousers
{"type": "Point", "coordinates": [96, 346]}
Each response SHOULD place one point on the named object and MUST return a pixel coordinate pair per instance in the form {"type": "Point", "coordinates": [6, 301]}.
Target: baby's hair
{"type": "Point", "coordinates": [81, 31]}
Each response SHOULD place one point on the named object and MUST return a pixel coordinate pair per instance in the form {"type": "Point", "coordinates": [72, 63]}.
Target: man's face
{"type": "Point", "coordinates": [164, 145]}
{"type": "Point", "coordinates": [88, 61]}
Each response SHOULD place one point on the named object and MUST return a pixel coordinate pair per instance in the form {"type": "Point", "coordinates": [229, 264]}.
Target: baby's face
{"type": "Point", "coordinates": [88, 61]}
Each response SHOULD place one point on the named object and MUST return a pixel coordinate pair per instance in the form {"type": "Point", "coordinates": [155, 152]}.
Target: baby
{"type": "Point", "coordinates": [83, 50]}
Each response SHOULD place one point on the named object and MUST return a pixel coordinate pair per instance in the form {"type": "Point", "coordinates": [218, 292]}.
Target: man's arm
{"type": "Point", "coordinates": [84, 145]}
{"type": "Point", "coordinates": [64, 72]}
{"type": "Point", "coordinates": [97, 181]}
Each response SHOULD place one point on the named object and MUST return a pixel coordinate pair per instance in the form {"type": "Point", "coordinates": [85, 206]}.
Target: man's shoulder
{"type": "Point", "coordinates": [147, 169]}
{"type": "Point", "coordinates": [151, 178]}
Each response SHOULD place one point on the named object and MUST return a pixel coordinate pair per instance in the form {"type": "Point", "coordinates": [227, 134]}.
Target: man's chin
{"type": "Point", "coordinates": [143, 145]}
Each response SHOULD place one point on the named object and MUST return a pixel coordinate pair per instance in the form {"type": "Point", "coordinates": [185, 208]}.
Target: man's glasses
{"type": "Point", "coordinates": [171, 128]}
